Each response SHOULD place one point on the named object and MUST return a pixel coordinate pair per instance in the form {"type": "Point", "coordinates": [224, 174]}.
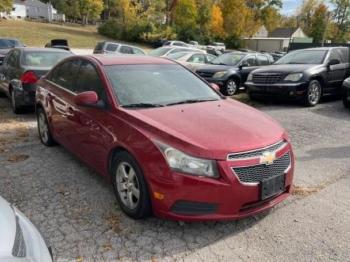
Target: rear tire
{"type": "Point", "coordinates": [313, 93]}
{"type": "Point", "coordinates": [44, 128]}
{"type": "Point", "coordinates": [130, 186]}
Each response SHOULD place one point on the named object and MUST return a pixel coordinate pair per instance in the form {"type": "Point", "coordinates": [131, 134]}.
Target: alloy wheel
{"type": "Point", "coordinates": [43, 127]}
{"type": "Point", "coordinates": [314, 93]}
{"type": "Point", "coordinates": [128, 186]}
{"type": "Point", "coordinates": [231, 87]}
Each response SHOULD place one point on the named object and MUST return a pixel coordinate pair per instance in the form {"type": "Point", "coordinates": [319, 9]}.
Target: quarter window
{"type": "Point", "coordinates": [112, 47]}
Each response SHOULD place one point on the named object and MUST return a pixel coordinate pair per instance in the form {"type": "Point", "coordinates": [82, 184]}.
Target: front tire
{"type": "Point", "coordinates": [313, 93]}
{"type": "Point", "coordinates": [130, 186]}
{"type": "Point", "coordinates": [231, 87]}
{"type": "Point", "coordinates": [44, 129]}
{"type": "Point", "coordinates": [346, 99]}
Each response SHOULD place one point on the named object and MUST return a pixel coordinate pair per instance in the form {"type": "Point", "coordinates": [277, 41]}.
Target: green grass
{"type": "Point", "coordinates": [37, 34]}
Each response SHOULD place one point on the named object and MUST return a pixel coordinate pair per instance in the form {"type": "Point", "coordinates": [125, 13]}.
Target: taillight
{"type": "Point", "coordinates": [29, 77]}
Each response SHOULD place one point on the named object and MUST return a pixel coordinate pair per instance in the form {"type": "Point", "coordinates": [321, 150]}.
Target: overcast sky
{"type": "Point", "coordinates": [290, 6]}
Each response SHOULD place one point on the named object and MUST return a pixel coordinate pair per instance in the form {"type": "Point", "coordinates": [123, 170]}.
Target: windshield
{"type": "Point", "coordinates": [303, 57]}
{"type": "Point", "coordinates": [178, 55]}
{"type": "Point", "coordinates": [9, 43]}
{"type": "Point", "coordinates": [157, 85]}
{"type": "Point", "coordinates": [159, 51]}
{"type": "Point", "coordinates": [43, 59]}
{"type": "Point", "coordinates": [228, 59]}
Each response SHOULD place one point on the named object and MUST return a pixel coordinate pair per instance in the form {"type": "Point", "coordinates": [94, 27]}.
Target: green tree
{"type": "Point", "coordinates": [185, 19]}
{"type": "Point", "coordinates": [6, 5]}
{"type": "Point", "coordinates": [341, 18]}
{"type": "Point", "coordinates": [319, 23]}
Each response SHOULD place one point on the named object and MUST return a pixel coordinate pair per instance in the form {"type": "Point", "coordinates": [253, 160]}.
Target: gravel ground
{"type": "Point", "coordinates": [76, 211]}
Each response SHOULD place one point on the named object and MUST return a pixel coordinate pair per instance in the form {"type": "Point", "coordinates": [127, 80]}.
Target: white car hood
{"type": "Point", "coordinates": [7, 228]}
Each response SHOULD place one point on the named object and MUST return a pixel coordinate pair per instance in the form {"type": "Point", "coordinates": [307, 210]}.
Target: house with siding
{"type": "Point", "coordinates": [33, 9]}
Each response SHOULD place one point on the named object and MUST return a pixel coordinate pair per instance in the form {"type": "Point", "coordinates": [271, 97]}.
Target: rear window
{"type": "Point", "coordinates": [9, 43]}
{"type": "Point", "coordinates": [43, 59]}
{"type": "Point", "coordinates": [99, 46]}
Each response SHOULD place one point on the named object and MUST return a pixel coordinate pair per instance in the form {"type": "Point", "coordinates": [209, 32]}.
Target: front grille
{"type": "Point", "coordinates": [267, 78]}
{"type": "Point", "coordinates": [205, 74]}
{"type": "Point", "coordinates": [256, 174]}
{"type": "Point", "coordinates": [257, 153]}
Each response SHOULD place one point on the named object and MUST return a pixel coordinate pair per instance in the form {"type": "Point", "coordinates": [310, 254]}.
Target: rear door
{"type": "Point", "coordinates": [60, 101]}
{"type": "Point", "coordinates": [10, 71]}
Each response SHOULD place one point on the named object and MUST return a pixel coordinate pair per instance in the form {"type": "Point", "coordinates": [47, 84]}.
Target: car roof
{"type": "Point", "coordinates": [129, 60]}
{"type": "Point", "coordinates": [324, 48]}
{"type": "Point", "coordinates": [42, 49]}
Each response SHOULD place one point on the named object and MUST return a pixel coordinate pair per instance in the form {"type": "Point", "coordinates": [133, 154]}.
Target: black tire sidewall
{"type": "Point", "coordinates": [50, 140]}
{"type": "Point", "coordinates": [143, 208]}
{"type": "Point", "coordinates": [15, 108]}
{"type": "Point", "coordinates": [346, 100]}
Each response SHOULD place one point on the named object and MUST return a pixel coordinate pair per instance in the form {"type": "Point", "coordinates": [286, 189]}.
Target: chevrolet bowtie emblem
{"type": "Point", "coordinates": [267, 158]}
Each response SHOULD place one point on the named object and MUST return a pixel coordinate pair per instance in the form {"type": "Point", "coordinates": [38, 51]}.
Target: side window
{"type": "Point", "coordinates": [89, 80]}
{"type": "Point", "coordinates": [111, 47]}
{"type": "Point", "coordinates": [210, 57]}
{"type": "Point", "coordinates": [126, 49]}
{"type": "Point", "coordinates": [263, 60]}
{"type": "Point", "coordinates": [137, 51]}
{"type": "Point", "coordinates": [13, 59]}
{"type": "Point", "coordinates": [250, 60]}
{"type": "Point", "coordinates": [335, 54]}
{"type": "Point", "coordinates": [65, 74]}
{"type": "Point", "coordinates": [197, 58]}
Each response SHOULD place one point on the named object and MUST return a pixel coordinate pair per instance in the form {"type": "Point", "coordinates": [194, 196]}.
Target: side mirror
{"type": "Point", "coordinates": [88, 99]}
{"type": "Point", "coordinates": [215, 87]}
{"type": "Point", "coordinates": [333, 62]}
{"type": "Point", "coordinates": [244, 64]}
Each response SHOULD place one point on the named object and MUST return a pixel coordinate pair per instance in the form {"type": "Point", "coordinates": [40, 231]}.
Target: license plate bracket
{"type": "Point", "coordinates": [272, 186]}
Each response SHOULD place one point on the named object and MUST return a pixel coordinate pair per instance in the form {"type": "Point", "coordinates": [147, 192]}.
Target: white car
{"type": "Point", "coordinates": [19, 239]}
{"type": "Point", "coordinates": [217, 46]}
{"type": "Point", "coordinates": [106, 47]}
{"type": "Point", "coordinates": [168, 50]}
{"type": "Point", "coordinates": [175, 43]}
{"type": "Point", "coordinates": [192, 59]}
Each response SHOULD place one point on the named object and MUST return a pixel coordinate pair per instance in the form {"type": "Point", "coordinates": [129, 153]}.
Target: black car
{"type": "Point", "coordinates": [307, 74]}
{"type": "Point", "coordinates": [6, 44]}
{"type": "Point", "coordinates": [58, 43]}
{"type": "Point", "coordinates": [230, 70]}
{"type": "Point", "coordinates": [22, 68]}
{"type": "Point", "coordinates": [346, 93]}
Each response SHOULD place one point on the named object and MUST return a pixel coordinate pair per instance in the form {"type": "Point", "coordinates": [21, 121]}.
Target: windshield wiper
{"type": "Point", "coordinates": [190, 101]}
{"type": "Point", "coordinates": [142, 105]}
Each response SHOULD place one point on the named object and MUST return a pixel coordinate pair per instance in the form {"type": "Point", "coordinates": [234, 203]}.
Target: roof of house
{"type": "Point", "coordinates": [35, 3]}
{"type": "Point", "coordinates": [284, 32]}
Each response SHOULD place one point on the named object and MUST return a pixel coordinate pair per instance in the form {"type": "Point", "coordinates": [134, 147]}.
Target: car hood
{"type": "Point", "coordinates": [286, 68]}
{"type": "Point", "coordinates": [7, 228]}
{"type": "Point", "coordinates": [215, 68]}
{"type": "Point", "coordinates": [209, 129]}
{"type": "Point", "coordinates": [4, 51]}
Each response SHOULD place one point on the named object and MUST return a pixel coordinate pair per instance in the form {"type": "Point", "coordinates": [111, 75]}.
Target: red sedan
{"type": "Point", "coordinates": [168, 141]}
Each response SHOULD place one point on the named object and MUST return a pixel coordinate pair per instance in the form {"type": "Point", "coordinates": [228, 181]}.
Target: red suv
{"type": "Point", "coordinates": [167, 140]}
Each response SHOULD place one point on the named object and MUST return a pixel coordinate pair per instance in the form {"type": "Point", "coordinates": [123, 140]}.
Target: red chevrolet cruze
{"type": "Point", "coordinates": [168, 141]}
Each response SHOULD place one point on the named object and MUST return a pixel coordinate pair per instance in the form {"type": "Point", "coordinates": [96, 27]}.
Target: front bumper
{"type": "Point", "coordinates": [278, 89]}
{"type": "Point", "coordinates": [226, 198]}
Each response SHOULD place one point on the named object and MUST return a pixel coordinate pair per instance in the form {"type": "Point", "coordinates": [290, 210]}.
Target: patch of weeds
{"type": "Point", "coordinates": [17, 158]}
{"type": "Point", "coordinates": [113, 222]}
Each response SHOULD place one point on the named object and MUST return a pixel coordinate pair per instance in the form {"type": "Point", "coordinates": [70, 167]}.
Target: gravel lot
{"type": "Point", "coordinates": [76, 211]}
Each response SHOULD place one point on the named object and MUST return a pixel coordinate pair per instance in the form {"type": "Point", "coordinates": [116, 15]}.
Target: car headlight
{"type": "Point", "coordinates": [181, 162]}
{"type": "Point", "coordinates": [293, 77]}
{"type": "Point", "coordinates": [219, 74]}
{"type": "Point", "coordinates": [250, 77]}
